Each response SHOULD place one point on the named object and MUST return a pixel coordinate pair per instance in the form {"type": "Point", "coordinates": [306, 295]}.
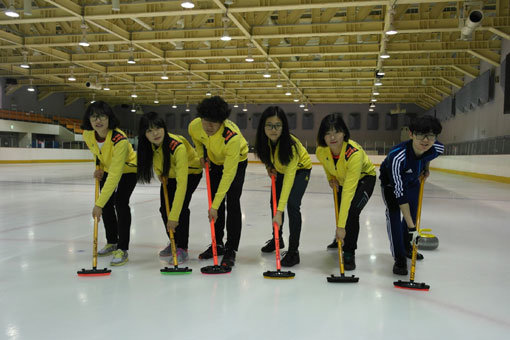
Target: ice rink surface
{"type": "Point", "coordinates": [46, 237]}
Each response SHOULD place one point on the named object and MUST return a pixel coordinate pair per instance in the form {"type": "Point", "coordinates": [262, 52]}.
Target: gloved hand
{"type": "Point", "coordinates": [414, 235]}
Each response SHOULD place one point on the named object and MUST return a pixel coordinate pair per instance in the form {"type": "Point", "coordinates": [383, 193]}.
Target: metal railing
{"type": "Point", "coordinates": [489, 146]}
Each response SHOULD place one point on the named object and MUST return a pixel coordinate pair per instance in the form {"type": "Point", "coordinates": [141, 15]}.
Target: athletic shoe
{"type": "Point", "coordinates": [229, 259]}
{"type": "Point", "coordinates": [290, 258]}
{"type": "Point", "coordinates": [120, 257]}
{"type": "Point", "coordinates": [167, 251]}
{"type": "Point", "coordinates": [182, 256]}
{"type": "Point", "coordinates": [333, 245]}
{"type": "Point", "coordinates": [108, 249]}
{"type": "Point", "coordinates": [207, 254]}
{"type": "Point", "coordinates": [270, 246]}
{"type": "Point", "coordinates": [400, 267]}
{"type": "Point", "coordinates": [349, 261]}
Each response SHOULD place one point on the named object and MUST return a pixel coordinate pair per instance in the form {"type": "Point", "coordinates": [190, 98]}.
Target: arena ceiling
{"type": "Point", "coordinates": [319, 51]}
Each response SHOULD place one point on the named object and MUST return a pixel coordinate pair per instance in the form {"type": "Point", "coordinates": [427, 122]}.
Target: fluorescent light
{"type": "Point", "coordinates": [71, 78]}
{"type": "Point", "coordinates": [279, 85]}
{"type": "Point", "coordinates": [134, 95]}
{"type": "Point", "coordinates": [296, 100]}
{"type": "Point", "coordinates": [249, 59]}
{"type": "Point", "coordinates": [131, 60]}
{"type": "Point", "coordinates": [174, 106]}
{"type": "Point", "coordinates": [266, 75]}
{"type": "Point", "coordinates": [235, 105]}
{"type": "Point", "coordinates": [208, 93]}
{"type": "Point", "coordinates": [164, 77]}
{"type": "Point", "coordinates": [288, 93]}
{"type": "Point", "coordinates": [371, 110]}
{"type": "Point", "coordinates": [377, 83]}
{"type": "Point", "coordinates": [106, 88]}
{"type": "Point", "coordinates": [380, 73]}
{"type": "Point", "coordinates": [301, 105]}
{"type": "Point", "coordinates": [156, 101]}
{"type": "Point", "coordinates": [373, 100]}
{"type": "Point", "coordinates": [376, 93]}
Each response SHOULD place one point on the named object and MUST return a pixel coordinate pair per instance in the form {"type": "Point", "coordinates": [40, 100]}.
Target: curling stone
{"type": "Point", "coordinates": [427, 241]}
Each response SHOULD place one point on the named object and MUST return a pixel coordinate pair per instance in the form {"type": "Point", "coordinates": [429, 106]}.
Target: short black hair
{"type": "Point", "coordinates": [99, 108]}
{"type": "Point", "coordinates": [213, 109]}
{"type": "Point", "coordinates": [425, 124]}
{"type": "Point", "coordinates": [335, 122]}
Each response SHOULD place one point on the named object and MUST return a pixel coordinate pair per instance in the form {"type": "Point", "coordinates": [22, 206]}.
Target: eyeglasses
{"type": "Point", "coordinates": [101, 117]}
{"type": "Point", "coordinates": [422, 136]}
{"type": "Point", "coordinates": [276, 127]}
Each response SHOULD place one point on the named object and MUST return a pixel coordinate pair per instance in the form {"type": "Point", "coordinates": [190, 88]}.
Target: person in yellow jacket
{"type": "Point", "coordinates": [349, 169]}
{"type": "Point", "coordinates": [220, 142]}
{"type": "Point", "coordinates": [284, 156]}
{"type": "Point", "coordinates": [117, 161]}
{"type": "Point", "coordinates": [173, 157]}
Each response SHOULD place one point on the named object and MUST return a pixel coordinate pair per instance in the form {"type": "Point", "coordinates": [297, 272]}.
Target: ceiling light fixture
{"type": "Point", "coordinates": [31, 87]}
{"type": "Point", "coordinates": [384, 55]}
{"type": "Point", "coordinates": [106, 87]}
{"type": "Point", "coordinates": [11, 11]}
{"type": "Point", "coordinates": [245, 109]}
{"type": "Point", "coordinates": [225, 36]}
{"type": "Point", "coordinates": [391, 30]}
{"type": "Point", "coordinates": [83, 42]}
{"type": "Point", "coordinates": [25, 64]}
{"type": "Point", "coordinates": [378, 83]}
{"type": "Point", "coordinates": [164, 76]}
{"type": "Point", "coordinates": [71, 76]}
{"type": "Point", "coordinates": [187, 4]}
{"type": "Point", "coordinates": [249, 58]}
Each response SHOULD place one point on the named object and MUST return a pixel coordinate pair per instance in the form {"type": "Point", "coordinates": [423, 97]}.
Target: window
{"type": "Point", "coordinates": [292, 118]}
{"type": "Point", "coordinates": [307, 121]}
{"type": "Point", "coordinates": [170, 121]}
{"type": "Point", "coordinates": [185, 120]}
{"type": "Point", "coordinates": [391, 122]}
{"type": "Point", "coordinates": [373, 121]}
{"type": "Point", "coordinates": [354, 121]}
{"type": "Point", "coordinates": [241, 120]}
{"type": "Point", "coordinates": [255, 118]}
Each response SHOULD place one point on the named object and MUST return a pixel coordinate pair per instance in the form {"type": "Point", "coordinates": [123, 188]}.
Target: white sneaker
{"type": "Point", "coordinates": [108, 249]}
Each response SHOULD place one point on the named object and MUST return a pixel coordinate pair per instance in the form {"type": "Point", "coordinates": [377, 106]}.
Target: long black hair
{"type": "Point", "coordinates": [335, 122]}
{"type": "Point", "coordinates": [145, 172]}
{"type": "Point", "coordinates": [262, 149]}
{"type": "Point", "coordinates": [99, 108]}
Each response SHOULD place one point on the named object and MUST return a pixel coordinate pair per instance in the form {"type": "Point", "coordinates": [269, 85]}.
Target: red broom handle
{"type": "Point", "coordinates": [213, 234]}
{"type": "Point", "coordinates": [275, 225]}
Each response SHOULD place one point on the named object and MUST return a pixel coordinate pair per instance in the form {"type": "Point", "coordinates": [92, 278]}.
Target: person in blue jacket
{"type": "Point", "coordinates": [400, 182]}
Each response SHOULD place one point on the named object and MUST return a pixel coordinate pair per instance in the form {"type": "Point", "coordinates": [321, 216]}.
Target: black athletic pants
{"type": "Point", "coordinates": [363, 193]}
{"type": "Point", "coordinates": [233, 199]}
{"type": "Point", "coordinates": [181, 234]}
{"type": "Point", "coordinates": [117, 213]}
{"type": "Point", "coordinates": [293, 205]}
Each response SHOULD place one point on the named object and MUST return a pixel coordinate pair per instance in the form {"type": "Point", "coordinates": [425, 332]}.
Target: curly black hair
{"type": "Point", "coordinates": [99, 108]}
{"type": "Point", "coordinates": [213, 109]}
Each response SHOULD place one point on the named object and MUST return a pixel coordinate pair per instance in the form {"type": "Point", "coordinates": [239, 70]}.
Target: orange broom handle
{"type": "Point", "coordinates": [96, 222]}
{"type": "Point", "coordinates": [209, 198]}
{"type": "Point", "coordinates": [275, 225]}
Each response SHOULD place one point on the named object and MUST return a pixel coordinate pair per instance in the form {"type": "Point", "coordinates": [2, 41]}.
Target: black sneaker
{"type": "Point", "coordinates": [207, 254]}
{"type": "Point", "coordinates": [333, 245]}
{"type": "Point", "coordinates": [400, 267]}
{"type": "Point", "coordinates": [409, 255]}
{"type": "Point", "coordinates": [291, 258]}
{"type": "Point", "coordinates": [270, 246]}
{"type": "Point", "coordinates": [349, 261]}
{"type": "Point", "coordinates": [229, 259]}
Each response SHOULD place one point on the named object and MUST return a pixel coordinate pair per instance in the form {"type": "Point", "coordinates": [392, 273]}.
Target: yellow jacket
{"type": "Point", "coordinates": [352, 165]}
{"type": "Point", "coordinates": [183, 161]}
{"type": "Point", "coordinates": [226, 147]}
{"type": "Point", "coordinates": [116, 157]}
{"type": "Point", "coordinates": [300, 160]}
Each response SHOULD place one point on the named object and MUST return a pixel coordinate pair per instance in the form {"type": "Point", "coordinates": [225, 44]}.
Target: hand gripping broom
{"type": "Point", "coordinates": [94, 271]}
{"type": "Point", "coordinates": [278, 274]}
{"type": "Point", "coordinates": [342, 278]}
{"type": "Point", "coordinates": [215, 269]}
{"type": "Point", "coordinates": [175, 270]}
{"type": "Point", "coordinates": [411, 284]}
